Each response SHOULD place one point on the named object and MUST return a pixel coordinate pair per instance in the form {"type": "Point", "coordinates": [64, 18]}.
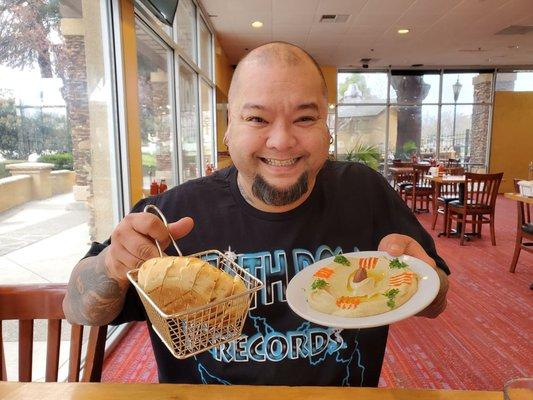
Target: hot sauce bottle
{"type": "Point", "coordinates": [154, 188]}
{"type": "Point", "coordinates": [162, 186]}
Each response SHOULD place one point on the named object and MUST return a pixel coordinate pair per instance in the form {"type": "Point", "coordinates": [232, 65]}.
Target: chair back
{"type": "Point", "coordinates": [419, 176]}
{"type": "Point", "coordinates": [27, 303]}
{"type": "Point", "coordinates": [449, 190]}
{"type": "Point", "coordinates": [403, 177]}
{"type": "Point", "coordinates": [482, 189]}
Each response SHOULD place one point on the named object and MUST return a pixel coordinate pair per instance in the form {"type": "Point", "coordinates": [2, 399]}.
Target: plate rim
{"type": "Point", "coordinates": [371, 321]}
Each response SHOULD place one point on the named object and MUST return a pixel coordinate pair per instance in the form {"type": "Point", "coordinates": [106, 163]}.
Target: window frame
{"type": "Point", "coordinates": [441, 71]}
{"type": "Point", "coordinates": [181, 56]}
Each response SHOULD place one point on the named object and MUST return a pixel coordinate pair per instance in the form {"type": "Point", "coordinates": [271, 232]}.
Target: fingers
{"type": "Point", "coordinates": [133, 241]}
{"type": "Point", "coordinates": [147, 224]}
{"type": "Point", "coordinates": [397, 245]}
{"type": "Point", "coordinates": [181, 227]}
{"type": "Point", "coordinates": [117, 260]}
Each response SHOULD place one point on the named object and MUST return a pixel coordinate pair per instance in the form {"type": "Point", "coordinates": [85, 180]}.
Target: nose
{"type": "Point", "coordinates": [281, 137]}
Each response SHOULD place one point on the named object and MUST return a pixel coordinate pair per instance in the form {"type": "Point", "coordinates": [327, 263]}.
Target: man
{"type": "Point", "coordinates": [280, 208]}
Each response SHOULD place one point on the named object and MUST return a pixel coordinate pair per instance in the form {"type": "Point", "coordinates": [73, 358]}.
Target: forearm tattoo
{"type": "Point", "coordinates": [93, 297]}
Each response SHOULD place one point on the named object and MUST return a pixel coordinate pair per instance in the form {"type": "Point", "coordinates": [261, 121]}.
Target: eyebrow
{"type": "Point", "coordinates": [308, 106]}
{"type": "Point", "coordinates": [304, 106]}
{"type": "Point", "coordinates": [253, 106]}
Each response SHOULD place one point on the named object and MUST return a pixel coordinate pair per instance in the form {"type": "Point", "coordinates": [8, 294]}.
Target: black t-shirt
{"type": "Point", "coordinates": [350, 208]}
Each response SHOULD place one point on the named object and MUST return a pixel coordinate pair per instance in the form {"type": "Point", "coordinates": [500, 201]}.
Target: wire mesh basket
{"type": "Point", "coordinates": [199, 329]}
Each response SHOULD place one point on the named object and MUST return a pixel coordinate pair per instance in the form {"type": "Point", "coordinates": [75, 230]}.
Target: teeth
{"type": "Point", "coordinates": [280, 163]}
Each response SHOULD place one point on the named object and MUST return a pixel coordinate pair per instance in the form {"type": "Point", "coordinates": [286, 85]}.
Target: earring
{"type": "Point", "coordinates": [330, 139]}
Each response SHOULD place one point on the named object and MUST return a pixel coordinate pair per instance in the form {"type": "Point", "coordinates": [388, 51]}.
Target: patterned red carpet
{"type": "Point", "coordinates": [482, 340]}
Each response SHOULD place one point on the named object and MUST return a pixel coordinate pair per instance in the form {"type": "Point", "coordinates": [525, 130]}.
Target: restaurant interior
{"type": "Point", "coordinates": [104, 103]}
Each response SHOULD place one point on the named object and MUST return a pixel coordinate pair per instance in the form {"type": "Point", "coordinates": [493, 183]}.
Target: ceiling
{"type": "Point", "coordinates": [442, 32]}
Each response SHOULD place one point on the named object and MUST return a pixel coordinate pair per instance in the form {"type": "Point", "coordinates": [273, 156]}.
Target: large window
{"type": "Point", "coordinates": [58, 174]}
{"type": "Point", "coordinates": [390, 115]}
{"type": "Point", "coordinates": [177, 119]}
{"type": "Point", "coordinates": [59, 181]}
{"type": "Point", "coordinates": [154, 63]}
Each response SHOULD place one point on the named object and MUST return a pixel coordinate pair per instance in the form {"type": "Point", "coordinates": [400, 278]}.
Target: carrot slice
{"type": "Point", "coordinates": [345, 302]}
{"type": "Point", "coordinates": [368, 262]}
{"type": "Point", "coordinates": [324, 272]}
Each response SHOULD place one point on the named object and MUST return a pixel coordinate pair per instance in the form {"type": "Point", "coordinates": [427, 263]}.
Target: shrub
{"type": "Point", "coordinates": [60, 160]}
{"type": "Point", "coordinates": [366, 154]}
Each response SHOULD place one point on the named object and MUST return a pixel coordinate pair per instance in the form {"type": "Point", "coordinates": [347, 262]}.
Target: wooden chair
{"type": "Point", "coordinates": [524, 230]}
{"type": "Point", "coordinates": [445, 193]}
{"type": "Point", "coordinates": [26, 303]}
{"type": "Point", "coordinates": [401, 180]}
{"type": "Point", "coordinates": [421, 188]}
{"type": "Point", "coordinates": [479, 203]}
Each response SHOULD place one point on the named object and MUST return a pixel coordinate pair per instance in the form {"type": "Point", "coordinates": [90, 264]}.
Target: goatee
{"type": "Point", "coordinates": [273, 196]}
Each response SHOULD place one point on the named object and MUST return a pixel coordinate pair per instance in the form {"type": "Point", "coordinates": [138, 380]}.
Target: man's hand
{"type": "Point", "coordinates": [397, 245]}
{"type": "Point", "coordinates": [133, 242]}
{"type": "Point", "coordinates": [98, 285]}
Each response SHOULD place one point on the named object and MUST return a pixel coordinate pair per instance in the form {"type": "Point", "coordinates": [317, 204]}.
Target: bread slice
{"type": "Point", "coordinates": [177, 284]}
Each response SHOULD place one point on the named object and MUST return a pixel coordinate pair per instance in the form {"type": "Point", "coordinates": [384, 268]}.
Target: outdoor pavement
{"type": "Point", "coordinates": [40, 242]}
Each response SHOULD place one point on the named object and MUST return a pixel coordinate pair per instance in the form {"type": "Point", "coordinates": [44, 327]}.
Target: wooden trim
{"type": "Point", "coordinates": [131, 98]}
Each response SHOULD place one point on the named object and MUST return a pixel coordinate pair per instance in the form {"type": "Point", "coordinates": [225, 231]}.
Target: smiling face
{"type": "Point", "coordinates": [277, 134]}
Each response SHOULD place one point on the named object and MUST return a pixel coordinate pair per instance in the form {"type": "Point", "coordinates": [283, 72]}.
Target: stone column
{"type": "Point", "coordinates": [76, 99]}
{"type": "Point", "coordinates": [480, 114]}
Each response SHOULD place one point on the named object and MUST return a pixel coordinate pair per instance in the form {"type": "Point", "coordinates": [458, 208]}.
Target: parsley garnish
{"type": "Point", "coordinates": [319, 284]}
{"type": "Point", "coordinates": [395, 263]}
{"type": "Point", "coordinates": [342, 260]}
{"type": "Point", "coordinates": [391, 294]}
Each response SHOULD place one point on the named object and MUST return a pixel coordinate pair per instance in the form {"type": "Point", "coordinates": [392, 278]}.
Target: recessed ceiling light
{"type": "Point", "coordinates": [403, 31]}
{"type": "Point", "coordinates": [257, 24]}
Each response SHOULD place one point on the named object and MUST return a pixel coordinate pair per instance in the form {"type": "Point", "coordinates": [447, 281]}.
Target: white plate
{"type": "Point", "coordinates": [428, 287]}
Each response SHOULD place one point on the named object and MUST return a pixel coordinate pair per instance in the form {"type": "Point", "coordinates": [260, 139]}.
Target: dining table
{"type": "Point", "coordinates": [519, 197]}
{"type": "Point", "coordinates": [155, 391]}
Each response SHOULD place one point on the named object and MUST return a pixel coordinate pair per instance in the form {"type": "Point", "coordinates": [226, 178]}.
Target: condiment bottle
{"type": "Point", "coordinates": [154, 188]}
{"type": "Point", "coordinates": [162, 186]}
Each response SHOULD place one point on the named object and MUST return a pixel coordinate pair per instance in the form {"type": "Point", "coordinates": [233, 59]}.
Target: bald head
{"type": "Point", "coordinates": [278, 54]}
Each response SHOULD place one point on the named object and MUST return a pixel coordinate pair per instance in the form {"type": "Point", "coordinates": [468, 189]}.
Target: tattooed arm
{"type": "Point", "coordinates": [98, 285]}
{"type": "Point", "coordinates": [93, 298]}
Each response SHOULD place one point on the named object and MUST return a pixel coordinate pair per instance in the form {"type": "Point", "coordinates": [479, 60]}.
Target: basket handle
{"type": "Point", "coordinates": [156, 211]}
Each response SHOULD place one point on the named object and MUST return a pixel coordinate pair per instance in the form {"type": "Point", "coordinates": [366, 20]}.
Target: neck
{"type": "Point", "coordinates": [245, 188]}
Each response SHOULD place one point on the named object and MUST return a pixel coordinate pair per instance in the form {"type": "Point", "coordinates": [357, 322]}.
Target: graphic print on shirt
{"type": "Point", "coordinates": [313, 343]}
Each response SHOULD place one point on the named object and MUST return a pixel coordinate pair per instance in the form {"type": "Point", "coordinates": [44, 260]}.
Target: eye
{"type": "Point", "coordinates": [306, 119]}
{"type": "Point", "coordinates": [255, 119]}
